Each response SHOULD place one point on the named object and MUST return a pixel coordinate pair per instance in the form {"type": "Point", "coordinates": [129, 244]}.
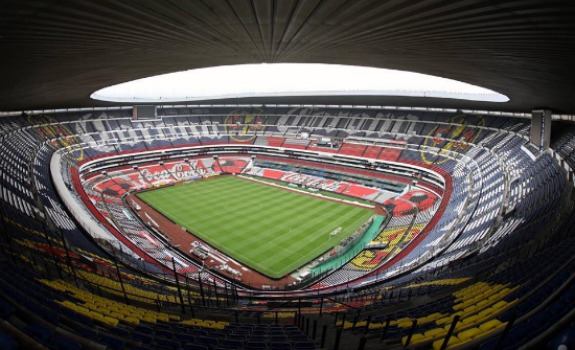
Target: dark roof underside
{"type": "Point", "coordinates": [54, 54]}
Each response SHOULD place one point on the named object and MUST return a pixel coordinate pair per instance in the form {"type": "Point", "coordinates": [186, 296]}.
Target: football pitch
{"type": "Point", "coordinates": [272, 230]}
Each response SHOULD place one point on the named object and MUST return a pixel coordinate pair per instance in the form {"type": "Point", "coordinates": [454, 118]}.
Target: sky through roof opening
{"type": "Point", "coordinates": [290, 79]}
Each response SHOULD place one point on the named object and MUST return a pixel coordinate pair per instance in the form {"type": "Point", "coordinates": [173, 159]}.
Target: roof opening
{"type": "Point", "coordinates": [290, 79]}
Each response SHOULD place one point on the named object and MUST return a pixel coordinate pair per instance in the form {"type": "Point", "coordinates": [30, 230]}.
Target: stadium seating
{"type": "Point", "coordinates": [496, 252]}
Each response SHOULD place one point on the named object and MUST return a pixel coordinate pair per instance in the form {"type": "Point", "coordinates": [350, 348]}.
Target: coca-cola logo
{"type": "Point", "coordinates": [155, 176]}
{"type": "Point", "coordinates": [182, 171]}
{"type": "Point", "coordinates": [179, 171]}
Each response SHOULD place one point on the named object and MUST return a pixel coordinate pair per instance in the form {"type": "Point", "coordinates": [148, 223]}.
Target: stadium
{"type": "Point", "coordinates": [298, 220]}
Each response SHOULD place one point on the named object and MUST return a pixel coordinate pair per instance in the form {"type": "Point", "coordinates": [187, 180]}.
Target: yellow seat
{"type": "Point", "coordinates": [103, 311]}
{"type": "Point", "coordinates": [482, 303]}
{"type": "Point", "coordinates": [405, 324]}
{"type": "Point", "coordinates": [494, 297]}
{"type": "Point", "coordinates": [94, 314]}
{"type": "Point", "coordinates": [457, 326]}
{"type": "Point", "coordinates": [428, 318]}
{"type": "Point", "coordinates": [492, 325]}
{"type": "Point", "coordinates": [131, 320]}
{"type": "Point", "coordinates": [469, 310]}
{"type": "Point", "coordinates": [453, 340]}
{"type": "Point", "coordinates": [470, 320]}
{"type": "Point", "coordinates": [499, 305]}
{"type": "Point", "coordinates": [477, 298]}
{"type": "Point", "coordinates": [218, 326]}
{"type": "Point", "coordinates": [110, 321]}
{"type": "Point", "coordinates": [415, 338]}
{"type": "Point", "coordinates": [376, 325]}
{"type": "Point", "coordinates": [81, 310]}
{"type": "Point", "coordinates": [469, 334]}
{"type": "Point", "coordinates": [485, 313]}
{"type": "Point", "coordinates": [347, 325]}
{"type": "Point", "coordinates": [163, 318]}
{"type": "Point", "coordinates": [435, 332]}
{"type": "Point", "coordinates": [190, 322]}
{"type": "Point", "coordinates": [91, 307]}
{"type": "Point", "coordinates": [117, 315]}
{"type": "Point", "coordinates": [447, 319]}
{"type": "Point", "coordinates": [458, 307]}
{"type": "Point", "coordinates": [148, 319]}
{"type": "Point", "coordinates": [435, 315]}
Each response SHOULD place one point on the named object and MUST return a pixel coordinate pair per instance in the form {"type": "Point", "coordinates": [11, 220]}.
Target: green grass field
{"type": "Point", "coordinates": [271, 230]}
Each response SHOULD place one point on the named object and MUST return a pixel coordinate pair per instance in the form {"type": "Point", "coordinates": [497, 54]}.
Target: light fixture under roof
{"type": "Point", "coordinates": [290, 79]}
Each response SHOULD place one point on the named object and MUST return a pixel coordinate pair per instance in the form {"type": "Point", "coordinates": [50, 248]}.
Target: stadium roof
{"type": "Point", "coordinates": [55, 54]}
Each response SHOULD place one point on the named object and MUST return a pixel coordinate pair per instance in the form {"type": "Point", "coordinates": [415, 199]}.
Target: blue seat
{"type": "Point", "coordinates": [197, 331]}
{"type": "Point", "coordinates": [79, 318]}
{"type": "Point", "coordinates": [257, 337]}
{"type": "Point", "coordinates": [243, 332]}
{"type": "Point", "coordinates": [6, 309]}
{"type": "Point", "coordinates": [280, 346]}
{"type": "Point", "coordinates": [569, 295]}
{"type": "Point", "coordinates": [185, 337]}
{"type": "Point", "coordinates": [237, 336]}
{"type": "Point", "coordinates": [218, 334]}
{"type": "Point", "coordinates": [120, 332]}
{"type": "Point", "coordinates": [144, 338]}
{"type": "Point", "coordinates": [559, 308]}
{"type": "Point", "coordinates": [162, 326]}
{"type": "Point", "coordinates": [38, 332]}
{"type": "Point", "coordinates": [258, 331]}
{"type": "Point", "coordinates": [540, 320]}
{"type": "Point", "coordinates": [304, 345]}
{"type": "Point", "coordinates": [277, 338]}
{"type": "Point", "coordinates": [205, 340]}
{"type": "Point", "coordinates": [232, 343]}
{"type": "Point", "coordinates": [195, 347]}
{"type": "Point", "coordinates": [144, 329]}
{"type": "Point", "coordinates": [7, 342]}
{"type": "Point", "coordinates": [62, 343]}
{"type": "Point", "coordinates": [490, 344]}
{"type": "Point", "coordinates": [88, 333]}
{"type": "Point", "coordinates": [518, 333]}
{"type": "Point", "coordinates": [111, 342]}
{"type": "Point", "coordinates": [168, 344]}
{"type": "Point", "coordinates": [298, 337]}
{"type": "Point", "coordinates": [166, 334]}
{"type": "Point", "coordinates": [255, 345]}
{"type": "Point", "coordinates": [49, 315]}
